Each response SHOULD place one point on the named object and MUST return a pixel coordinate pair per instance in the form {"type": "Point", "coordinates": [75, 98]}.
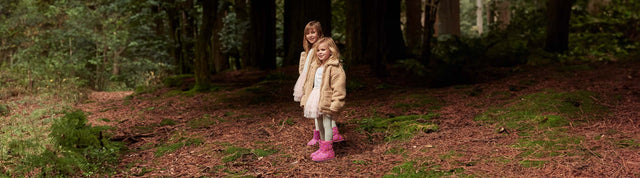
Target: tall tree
{"type": "Point", "coordinates": [220, 60]}
{"type": "Point", "coordinates": [243, 16]}
{"type": "Point", "coordinates": [374, 37]}
{"type": "Point", "coordinates": [353, 32]}
{"type": "Point", "coordinates": [430, 12]}
{"type": "Point", "coordinates": [479, 14]}
{"type": "Point", "coordinates": [414, 26]}
{"type": "Point", "coordinates": [396, 48]}
{"type": "Point", "coordinates": [297, 13]}
{"type": "Point", "coordinates": [203, 44]}
{"type": "Point", "coordinates": [263, 30]}
{"type": "Point", "coordinates": [175, 35]}
{"type": "Point", "coordinates": [449, 17]}
{"type": "Point", "coordinates": [558, 15]}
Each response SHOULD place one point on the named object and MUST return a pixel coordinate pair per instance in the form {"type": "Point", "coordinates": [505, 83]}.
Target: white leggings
{"type": "Point", "coordinates": [326, 132]}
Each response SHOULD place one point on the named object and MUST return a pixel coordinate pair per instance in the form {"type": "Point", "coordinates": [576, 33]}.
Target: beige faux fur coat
{"type": "Point", "coordinates": [332, 90]}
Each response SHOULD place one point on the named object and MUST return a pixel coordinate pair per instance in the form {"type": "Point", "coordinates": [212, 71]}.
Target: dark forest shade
{"type": "Point", "coordinates": [297, 13]}
{"type": "Point", "coordinates": [558, 15]}
{"type": "Point", "coordinates": [263, 30]}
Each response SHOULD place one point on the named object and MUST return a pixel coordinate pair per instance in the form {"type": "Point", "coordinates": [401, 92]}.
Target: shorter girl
{"type": "Point", "coordinates": [324, 94]}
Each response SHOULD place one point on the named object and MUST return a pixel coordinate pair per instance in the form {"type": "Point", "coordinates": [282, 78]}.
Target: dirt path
{"type": "Point", "coordinates": [200, 130]}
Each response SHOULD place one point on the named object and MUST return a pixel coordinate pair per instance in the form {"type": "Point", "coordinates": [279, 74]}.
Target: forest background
{"type": "Point", "coordinates": [54, 53]}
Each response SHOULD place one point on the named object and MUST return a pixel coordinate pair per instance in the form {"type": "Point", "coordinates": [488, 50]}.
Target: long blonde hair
{"type": "Point", "coordinates": [315, 25]}
{"type": "Point", "coordinates": [335, 52]}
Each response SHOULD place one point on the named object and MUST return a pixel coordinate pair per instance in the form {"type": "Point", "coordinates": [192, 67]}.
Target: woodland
{"type": "Point", "coordinates": [435, 88]}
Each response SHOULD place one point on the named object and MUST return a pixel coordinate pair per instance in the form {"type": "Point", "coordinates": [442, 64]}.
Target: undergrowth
{"type": "Point", "coordinates": [78, 150]}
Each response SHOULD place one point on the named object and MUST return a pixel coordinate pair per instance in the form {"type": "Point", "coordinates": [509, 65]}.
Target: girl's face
{"type": "Point", "coordinates": [323, 52]}
{"type": "Point", "coordinates": [312, 36]}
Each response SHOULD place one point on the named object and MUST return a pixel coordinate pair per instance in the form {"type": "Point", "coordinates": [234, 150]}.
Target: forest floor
{"type": "Point", "coordinates": [250, 126]}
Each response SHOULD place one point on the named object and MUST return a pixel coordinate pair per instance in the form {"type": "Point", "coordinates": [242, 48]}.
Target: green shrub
{"type": "Point", "coordinates": [79, 149]}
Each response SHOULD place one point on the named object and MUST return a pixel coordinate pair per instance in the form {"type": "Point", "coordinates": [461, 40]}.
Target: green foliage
{"type": "Point", "coordinates": [606, 33]}
{"type": "Point", "coordinates": [399, 128]}
{"type": "Point", "coordinates": [79, 150]}
{"type": "Point", "coordinates": [62, 43]}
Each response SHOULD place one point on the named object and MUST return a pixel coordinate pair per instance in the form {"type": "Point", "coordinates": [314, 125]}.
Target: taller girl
{"type": "Point", "coordinates": [312, 32]}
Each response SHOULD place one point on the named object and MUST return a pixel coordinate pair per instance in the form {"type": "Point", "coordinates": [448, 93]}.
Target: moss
{"type": "Point", "coordinates": [532, 163]}
{"type": "Point", "coordinates": [399, 128]}
{"type": "Point", "coordinates": [546, 109]}
{"type": "Point", "coordinates": [171, 147]}
{"type": "Point", "coordinates": [418, 101]}
{"type": "Point", "coordinates": [409, 169]}
{"type": "Point", "coordinates": [166, 122]}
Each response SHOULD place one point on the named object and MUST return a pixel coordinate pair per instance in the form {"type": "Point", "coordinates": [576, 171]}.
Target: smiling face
{"type": "Point", "coordinates": [323, 52]}
{"type": "Point", "coordinates": [312, 36]}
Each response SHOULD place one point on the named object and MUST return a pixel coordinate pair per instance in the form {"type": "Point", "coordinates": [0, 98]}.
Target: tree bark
{"type": "Point", "coordinates": [431, 10]}
{"type": "Point", "coordinates": [203, 44]}
{"type": "Point", "coordinates": [414, 26]}
{"type": "Point", "coordinates": [243, 16]}
{"type": "Point", "coordinates": [297, 14]}
{"type": "Point", "coordinates": [354, 41]}
{"type": "Point", "coordinates": [375, 41]}
{"type": "Point", "coordinates": [220, 60]}
{"type": "Point", "coordinates": [479, 14]}
{"type": "Point", "coordinates": [449, 17]}
{"type": "Point", "coordinates": [263, 46]}
{"type": "Point", "coordinates": [175, 35]}
{"type": "Point", "coordinates": [558, 15]}
{"type": "Point", "coordinates": [393, 32]}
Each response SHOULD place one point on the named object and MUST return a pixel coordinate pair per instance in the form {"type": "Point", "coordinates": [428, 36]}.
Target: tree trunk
{"type": "Point", "coordinates": [558, 15]}
{"type": "Point", "coordinates": [243, 16]}
{"type": "Point", "coordinates": [354, 23]}
{"type": "Point", "coordinates": [479, 14]}
{"type": "Point", "coordinates": [263, 46]}
{"type": "Point", "coordinates": [220, 60]}
{"type": "Point", "coordinates": [297, 14]}
{"type": "Point", "coordinates": [431, 10]}
{"type": "Point", "coordinates": [189, 32]}
{"type": "Point", "coordinates": [203, 44]}
{"type": "Point", "coordinates": [414, 27]}
{"type": "Point", "coordinates": [393, 32]}
{"type": "Point", "coordinates": [504, 14]}
{"type": "Point", "coordinates": [449, 17]}
{"type": "Point", "coordinates": [375, 41]}
{"type": "Point", "coordinates": [175, 35]}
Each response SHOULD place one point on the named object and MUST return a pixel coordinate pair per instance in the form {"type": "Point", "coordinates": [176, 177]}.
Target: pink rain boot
{"type": "Point", "coordinates": [315, 139]}
{"type": "Point", "coordinates": [326, 151]}
{"type": "Point", "coordinates": [336, 135]}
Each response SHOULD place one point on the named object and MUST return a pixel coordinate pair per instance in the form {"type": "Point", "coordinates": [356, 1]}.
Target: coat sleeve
{"type": "Point", "coordinates": [338, 85]}
{"type": "Point", "coordinates": [303, 55]}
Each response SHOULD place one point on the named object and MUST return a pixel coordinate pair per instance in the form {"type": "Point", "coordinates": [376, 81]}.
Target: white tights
{"type": "Point", "coordinates": [326, 131]}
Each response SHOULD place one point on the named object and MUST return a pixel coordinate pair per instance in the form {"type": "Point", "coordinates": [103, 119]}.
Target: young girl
{"type": "Point", "coordinates": [324, 94]}
{"type": "Point", "coordinates": [312, 32]}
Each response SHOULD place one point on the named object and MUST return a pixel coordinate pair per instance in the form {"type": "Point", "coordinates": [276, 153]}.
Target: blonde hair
{"type": "Point", "coordinates": [315, 25]}
{"type": "Point", "coordinates": [335, 52]}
